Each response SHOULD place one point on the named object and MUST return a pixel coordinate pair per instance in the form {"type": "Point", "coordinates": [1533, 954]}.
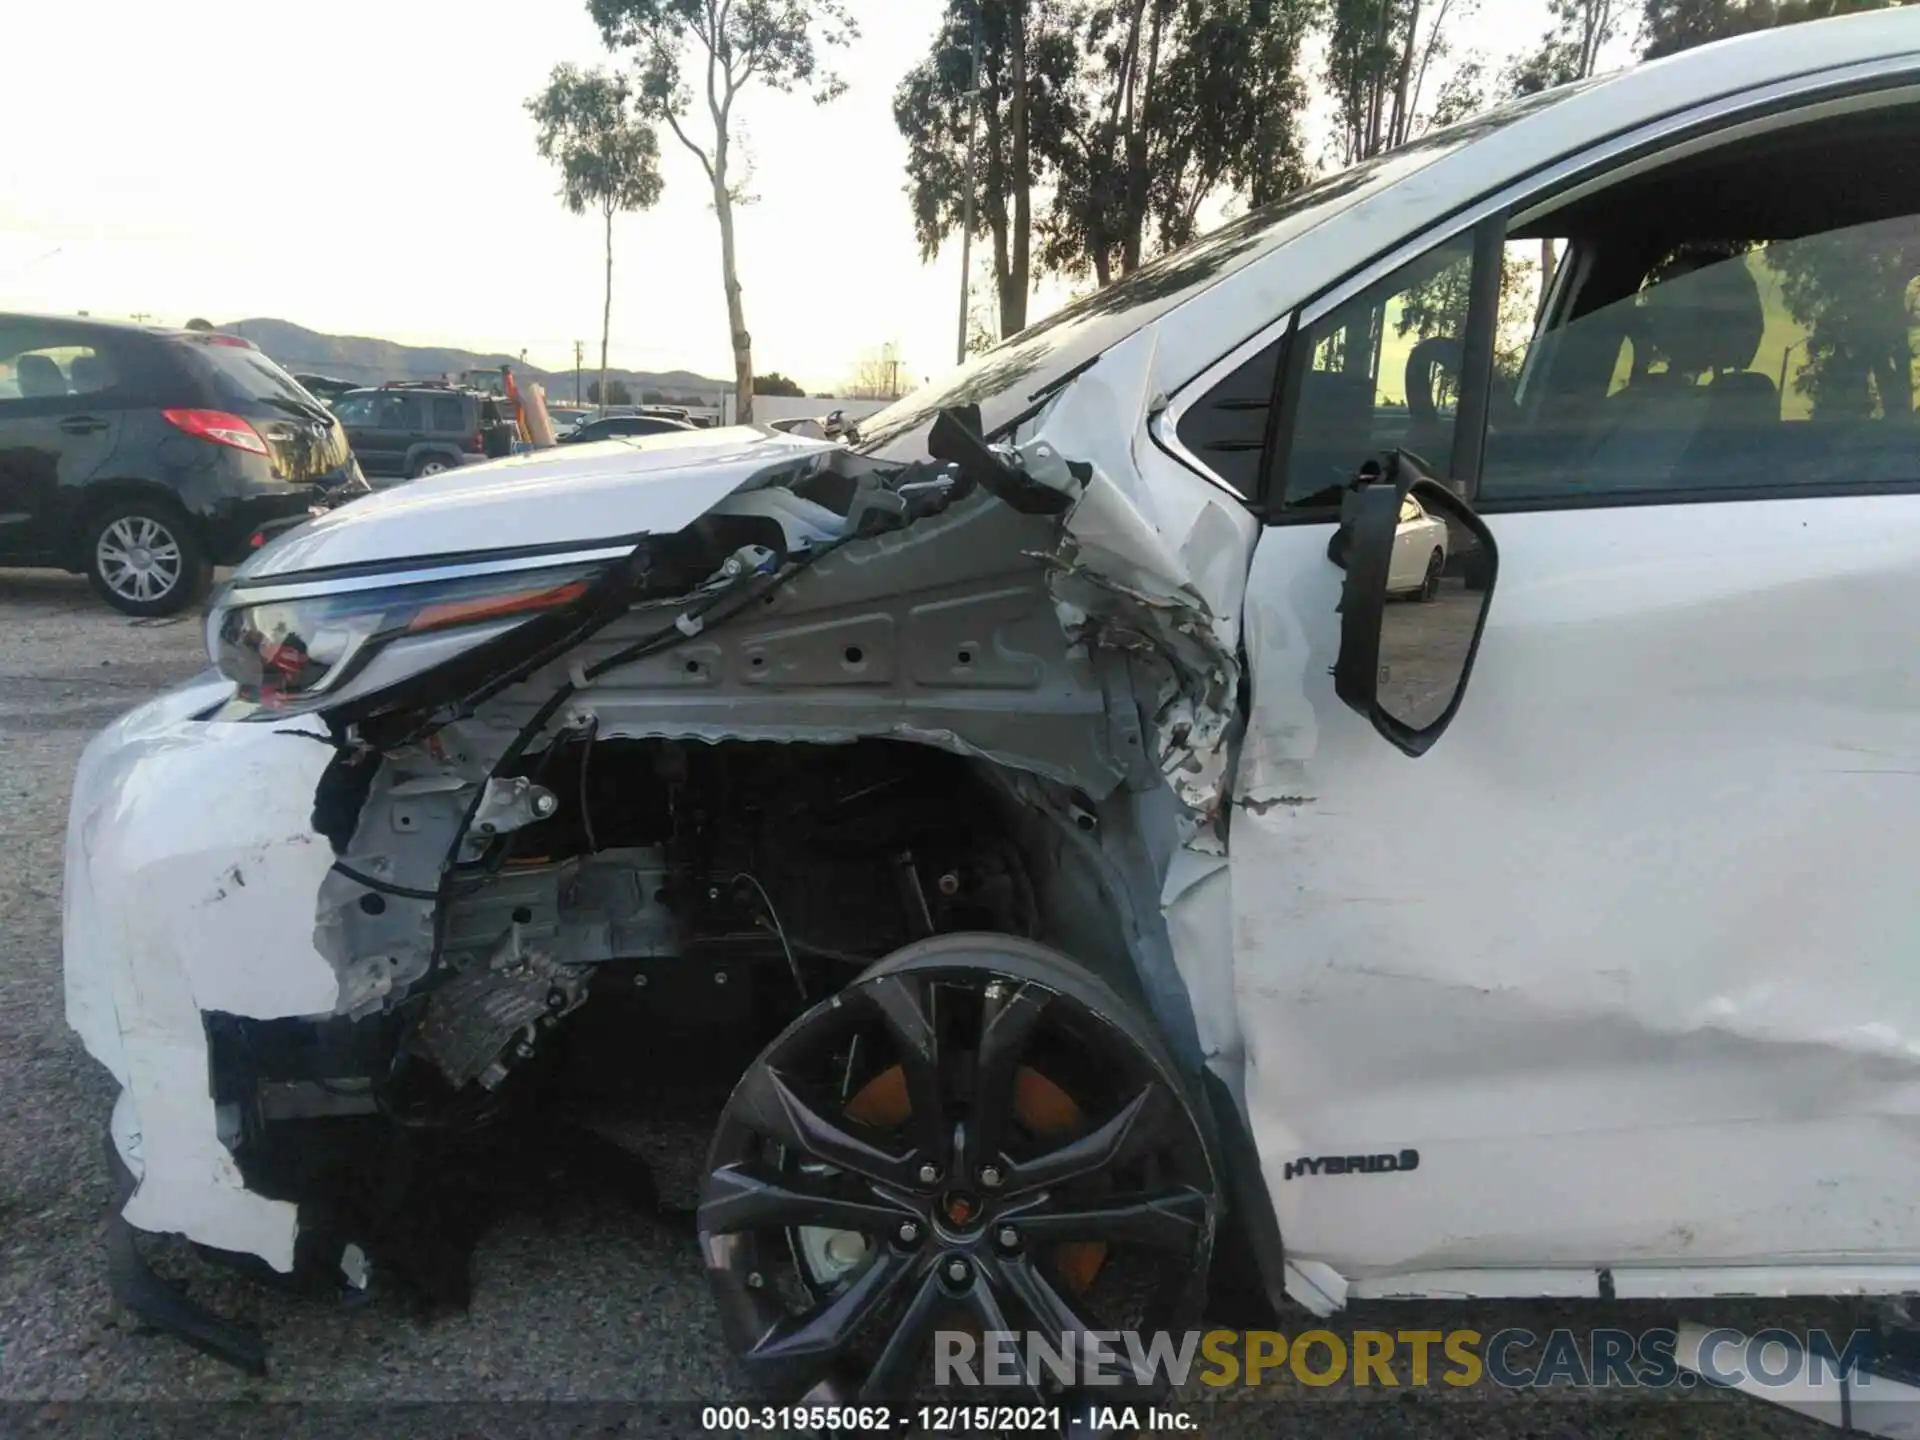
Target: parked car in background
{"type": "Point", "coordinates": [611, 427]}
{"type": "Point", "coordinates": [409, 429]}
{"type": "Point", "coordinates": [145, 456]}
{"type": "Point", "coordinates": [566, 417]}
{"type": "Point", "coordinates": [1419, 552]}
{"type": "Point", "coordinates": [325, 386]}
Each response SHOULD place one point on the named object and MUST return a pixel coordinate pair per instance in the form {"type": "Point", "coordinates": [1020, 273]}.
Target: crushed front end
{"type": "Point", "coordinates": [451, 858]}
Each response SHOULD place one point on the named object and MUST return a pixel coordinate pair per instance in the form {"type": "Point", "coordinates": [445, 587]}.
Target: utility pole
{"type": "Point", "coordinates": [966, 207]}
{"type": "Point", "coordinates": [577, 349]}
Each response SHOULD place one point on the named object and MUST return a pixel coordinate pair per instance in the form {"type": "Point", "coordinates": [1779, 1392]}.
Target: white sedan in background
{"type": "Point", "coordinates": [1419, 552]}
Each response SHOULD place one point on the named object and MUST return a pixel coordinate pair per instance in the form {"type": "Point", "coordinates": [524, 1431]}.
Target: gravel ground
{"type": "Point", "coordinates": [590, 1303]}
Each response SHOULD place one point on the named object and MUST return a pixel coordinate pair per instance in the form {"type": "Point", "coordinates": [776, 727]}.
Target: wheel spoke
{"type": "Point", "coordinates": [1007, 1022]}
{"type": "Point", "coordinates": [797, 1349]}
{"type": "Point", "coordinates": [1169, 1221]}
{"type": "Point", "coordinates": [901, 1001]}
{"type": "Point", "coordinates": [1093, 1151]}
{"type": "Point", "coordinates": [984, 1305]}
{"type": "Point", "coordinates": [735, 1199]}
{"type": "Point", "coordinates": [1050, 1311]}
{"type": "Point", "coordinates": [774, 1109]}
{"type": "Point", "coordinates": [892, 1376]}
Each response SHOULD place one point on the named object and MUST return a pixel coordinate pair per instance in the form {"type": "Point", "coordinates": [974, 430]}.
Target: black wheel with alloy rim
{"type": "Point", "coordinates": [975, 1136]}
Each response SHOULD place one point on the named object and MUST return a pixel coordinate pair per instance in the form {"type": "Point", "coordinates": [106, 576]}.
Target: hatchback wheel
{"type": "Point", "coordinates": [144, 559]}
{"type": "Point", "coordinates": [975, 1136]}
{"type": "Point", "coordinates": [432, 465]}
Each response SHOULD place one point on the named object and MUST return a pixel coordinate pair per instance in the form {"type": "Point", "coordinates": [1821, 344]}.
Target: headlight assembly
{"type": "Point", "coordinates": [295, 647]}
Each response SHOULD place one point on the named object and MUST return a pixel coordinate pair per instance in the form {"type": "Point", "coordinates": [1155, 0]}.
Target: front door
{"type": "Point", "coordinates": [1623, 971]}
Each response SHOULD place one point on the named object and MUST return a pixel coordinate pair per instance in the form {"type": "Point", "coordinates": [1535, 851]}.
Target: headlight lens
{"type": "Point", "coordinates": [290, 653]}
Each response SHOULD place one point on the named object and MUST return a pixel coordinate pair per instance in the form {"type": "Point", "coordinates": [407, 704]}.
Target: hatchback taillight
{"type": "Point", "coordinates": [476, 444]}
{"type": "Point", "coordinates": [219, 427]}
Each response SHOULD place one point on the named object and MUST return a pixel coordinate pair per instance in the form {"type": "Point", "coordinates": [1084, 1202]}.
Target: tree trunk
{"type": "Point", "coordinates": [1139, 118]}
{"type": "Point", "coordinates": [1019, 280]}
{"type": "Point", "coordinates": [606, 314]}
{"type": "Point", "coordinates": [736, 312]}
{"type": "Point", "coordinates": [1402, 121]}
{"type": "Point", "coordinates": [1546, 278]}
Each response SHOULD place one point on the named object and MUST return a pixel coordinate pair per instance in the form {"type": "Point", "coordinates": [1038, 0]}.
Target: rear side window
{"type": "Point", "coordinates": [402, 412]}
{"type": "Point", "coordinates": [1731, 365]}
{"type": "Point", "coordinates": [42, 363]}
{"type": "Point", "coordinates": [449, 415]}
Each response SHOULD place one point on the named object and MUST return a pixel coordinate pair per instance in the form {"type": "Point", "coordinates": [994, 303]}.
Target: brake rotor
{"type": "Point", "coordinates": [1042, 1108]}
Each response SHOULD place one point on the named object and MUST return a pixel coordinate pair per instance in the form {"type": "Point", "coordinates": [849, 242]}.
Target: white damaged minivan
{"type": "Point", "coordinates": [1375, 753]}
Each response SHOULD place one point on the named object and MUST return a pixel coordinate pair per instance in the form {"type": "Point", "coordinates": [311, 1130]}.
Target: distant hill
{"type": "Point", "coordinates": [358, 357]}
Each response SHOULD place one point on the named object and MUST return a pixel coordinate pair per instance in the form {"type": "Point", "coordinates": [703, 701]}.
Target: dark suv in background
{"type": "Point", "coordinates": [144, 456]}
{"type": "Point", "coordinates": [405, 430]}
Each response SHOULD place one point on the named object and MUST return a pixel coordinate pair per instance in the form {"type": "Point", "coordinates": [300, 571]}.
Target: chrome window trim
{"type": "Point", "coordinates": [267, 592]}
{"type": "Point", "coordinates": [1164, 426]}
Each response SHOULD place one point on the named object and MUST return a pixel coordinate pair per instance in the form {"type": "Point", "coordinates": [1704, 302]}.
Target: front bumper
{"type": "Point", "coordinates": [191, 872]}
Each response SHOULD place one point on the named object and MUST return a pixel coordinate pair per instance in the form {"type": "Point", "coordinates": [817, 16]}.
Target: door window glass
{"type": "Point", "coordinates": [449, 416]}
{"type": "Point", "coordinates": [1382, 373]}
{"type": "Point", "coordinates": [36, 366]}
{"type": "Point", "coordinates": [1722, 363]}
{"type": "Point", "coordinates": [355, 410]}
{"type": "Point", "coordinates": [401, 412]}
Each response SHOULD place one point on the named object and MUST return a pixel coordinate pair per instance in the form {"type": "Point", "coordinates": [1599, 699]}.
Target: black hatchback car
{"type": "Point", "coordinates": [144, 457]}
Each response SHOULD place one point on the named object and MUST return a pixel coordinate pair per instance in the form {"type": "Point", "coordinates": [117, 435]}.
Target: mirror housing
{"type": "Point", "coordinates": [1374, 637]}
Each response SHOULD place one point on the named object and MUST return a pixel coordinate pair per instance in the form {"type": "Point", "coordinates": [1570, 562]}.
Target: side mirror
{"type": "Point", "coordinates": [1409, 622]}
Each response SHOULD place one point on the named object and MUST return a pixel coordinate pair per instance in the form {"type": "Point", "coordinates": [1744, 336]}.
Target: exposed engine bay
{"type": "Point", "coordinates": [714, 884]}
{"type": "Point", "coordinates": [667, 908]}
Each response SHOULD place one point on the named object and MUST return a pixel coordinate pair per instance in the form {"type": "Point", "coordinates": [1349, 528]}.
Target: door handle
{"type": "Point", "coordinates": [82, 425]}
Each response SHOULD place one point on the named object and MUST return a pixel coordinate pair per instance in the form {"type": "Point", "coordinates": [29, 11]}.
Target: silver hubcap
{"type": "Point", "coordinates": [139, 558]}
{"type": "Point", "coordinates": [432, 467]}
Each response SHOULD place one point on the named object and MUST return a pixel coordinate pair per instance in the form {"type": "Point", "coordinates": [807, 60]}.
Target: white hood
{"type": "Point", "coordinates": [608, 490]}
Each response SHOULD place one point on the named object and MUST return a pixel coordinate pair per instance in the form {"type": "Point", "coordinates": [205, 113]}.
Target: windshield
{"type": "Point", "coordinates": [1020, 372]}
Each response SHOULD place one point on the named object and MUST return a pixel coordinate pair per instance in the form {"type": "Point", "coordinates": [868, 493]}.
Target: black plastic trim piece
{"type": "Point", "coordinates": [1476, 366]}
{"type": "Point", "coordinates": [133, 1285]}
{"type": "Point", "coordinates": [1251, 1220]}
{"type": "Point", "coordinates": [1269, 499]}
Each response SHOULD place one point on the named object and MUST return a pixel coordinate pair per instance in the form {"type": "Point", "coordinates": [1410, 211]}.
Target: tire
{"type": "Point", "coordinates": [836, 1224]}
{"type": "Point", "coordinates": [143, 557]}
{"type": "Point", "coordinates": [1429, 590]}
{"type": "Point", "coordinates": [431, 465]}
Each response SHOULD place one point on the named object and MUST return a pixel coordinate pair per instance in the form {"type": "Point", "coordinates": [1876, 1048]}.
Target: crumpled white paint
{"type": "Point", "coordinates": [198, 917]}
{"type": "Point", "coordinates": [1147, 568]}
